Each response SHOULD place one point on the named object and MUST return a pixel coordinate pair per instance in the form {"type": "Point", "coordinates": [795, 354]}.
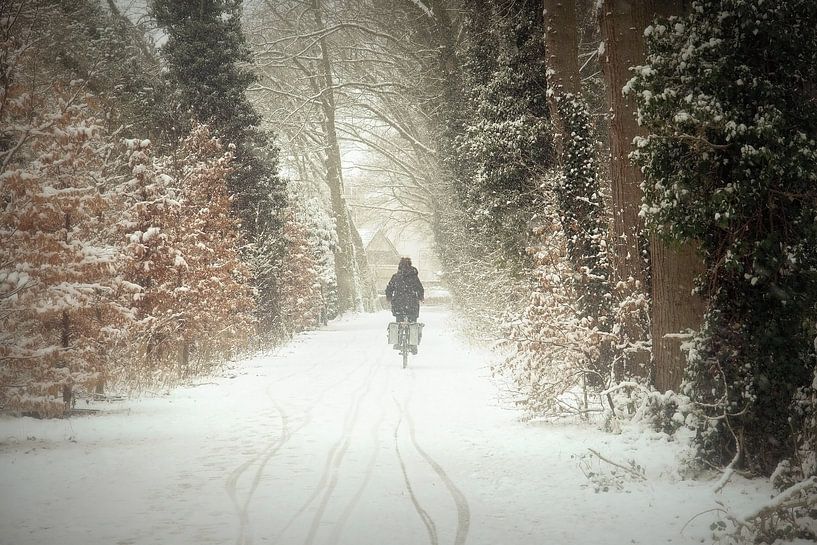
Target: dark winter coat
{"type": "Point", "coordinates": [405, 291]}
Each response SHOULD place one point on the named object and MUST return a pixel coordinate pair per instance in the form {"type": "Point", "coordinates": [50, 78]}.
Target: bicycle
{"type": "Point", "coordinates": [405, 336]}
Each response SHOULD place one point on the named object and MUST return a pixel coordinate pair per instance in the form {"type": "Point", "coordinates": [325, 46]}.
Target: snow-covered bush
{"type": "Point", "coordinates": [62, 302]}
{"type": "Point", "coordinates": [300, 285]}
{"type": "Point", "coordinates": [792, 514]}
{"type": "Point", "coordinates": [789, 516]}
{"type": "Point", "coordinates": [195, 305]}
{"type": "Point", "coordinates": [322, 242]}
{"type": "Point", "coordinates": [193, 295]}
{"type": "Point", "coordinates": [727, 100]}
{"type": "Point", "coordinates": [552, 344]}
{"type": "Point", "coordinates": [604, 475]}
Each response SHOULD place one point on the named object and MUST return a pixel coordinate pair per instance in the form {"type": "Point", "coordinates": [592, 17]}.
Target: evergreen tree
{"type": "Point", "coordinates": [495, 139]}
{"type": "Point", "coordinates": [207, 55]}
{"type": "Point", "coordinates": [113, 56]}
{"type": "Point", "coordinates": [727, 97]}
{"type": "Point", "coordinates": [505, 145]}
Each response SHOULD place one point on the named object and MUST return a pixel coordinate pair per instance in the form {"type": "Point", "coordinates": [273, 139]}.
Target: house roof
{"type": "Point", "coordinates": [380, 237]}
{"type": "Point", "coordinates": [366, 234]}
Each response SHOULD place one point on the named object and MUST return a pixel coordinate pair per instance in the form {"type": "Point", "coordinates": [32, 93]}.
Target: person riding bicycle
{"type": "Point", "coordinates": [405, 291]}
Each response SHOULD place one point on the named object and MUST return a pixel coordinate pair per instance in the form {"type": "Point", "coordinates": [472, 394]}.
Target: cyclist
{"type": "Point", "coordinates": [404, 292]}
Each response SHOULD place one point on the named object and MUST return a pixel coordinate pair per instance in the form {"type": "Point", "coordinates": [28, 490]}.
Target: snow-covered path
{"type": "Point", "coordinates": [330, 441]}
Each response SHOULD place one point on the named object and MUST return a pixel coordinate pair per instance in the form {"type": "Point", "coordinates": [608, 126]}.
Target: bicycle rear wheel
{"type": "Point", "coordinates": [404, 342]}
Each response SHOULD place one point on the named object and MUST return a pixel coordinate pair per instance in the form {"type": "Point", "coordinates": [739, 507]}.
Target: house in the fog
{"type": "Point", "coordinates": [382, 256]}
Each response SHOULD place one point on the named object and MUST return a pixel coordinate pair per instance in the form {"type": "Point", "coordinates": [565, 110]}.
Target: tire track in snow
{"type": "Point", "coordinates": [231, 485]}
{"type": "Point", "coordinates": [242, 509]}
{"type": "Point", "coordinates": [328, 484]}
{"type": "Point", "coordinates": [330, 473]}
{"type": "Point", "coordinates": [431, 528]}
{"type": "Point", "coordinates": [337, 531]}
{"type": "Point", "coordinates": [460, 501]}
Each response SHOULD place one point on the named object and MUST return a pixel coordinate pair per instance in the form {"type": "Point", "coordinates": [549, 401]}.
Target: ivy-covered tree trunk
{"type": "Point", "coordinates": [674, 269]}
{"type": "Point", "coordinates": [578, 192]}
{"type": "Point", "coordinates": [733, 171]}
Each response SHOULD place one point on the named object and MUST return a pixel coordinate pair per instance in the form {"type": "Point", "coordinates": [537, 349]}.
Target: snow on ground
{"type": "Point", "coordinates": [330, 441]}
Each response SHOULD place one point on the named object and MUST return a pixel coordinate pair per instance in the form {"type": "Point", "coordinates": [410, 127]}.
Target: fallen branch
{"type": "Point", "coordinates": [784, 500]}
{"type": "Point", "coordinates": [629, 470]}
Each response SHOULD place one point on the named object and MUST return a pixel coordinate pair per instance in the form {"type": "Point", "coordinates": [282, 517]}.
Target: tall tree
{"type": "Point", "coordinates": [115, 57]}
{"type": "Point", "coordinates": [670, 281]}
{"type": "Point", "coordinates": [348, 275]}
{"type": "Point", "coordinates": [622, 23]}
{"type": "Point", "coordinates": [504, 145]}
{"type": "Point", "coordinates": [206, 55]}
{"type": "Point", "coordinates": [305, 49]}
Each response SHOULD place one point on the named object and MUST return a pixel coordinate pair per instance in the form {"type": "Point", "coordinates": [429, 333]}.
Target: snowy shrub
{"type": "Point", "coordinates": [788, 516]}
{"type": "Point", "coordinates": [322, 242]}
{"type": "Point", "coordinates": [483, 288]}
{"type": "Point", "coordinates": [792, 514]}
{"type": "Point", "coordinates": [667, 412]}
{"type": "Point", "coordinates": [300, 286]}
{"type": "Point", "coordinates": [195, 305]}
{"type": "Point", "coordinates": [551, 344]}
{"type": "Point", "coordinates": [62, 302]}
{"type": "Point", "coordinates": [727, 100]}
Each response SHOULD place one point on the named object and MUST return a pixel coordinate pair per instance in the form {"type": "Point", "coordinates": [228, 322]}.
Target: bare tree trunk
{"type": "Point", "coordinates": [368, 291]}
{"type": "Point", "coordinates": [345, 263]}
{"type": "Point", "coordinates": [562, 59]}
{"type": "Point", "coordinates": [184, 356]}
{"type": "Point", "coordinates": [65, 338]}
{"type": "Point", "coordinates": [675, 308]}
{"type": "Point", "coordinates": [622, 25]}
{"type": "Point", "coordinates": [669, 280]}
